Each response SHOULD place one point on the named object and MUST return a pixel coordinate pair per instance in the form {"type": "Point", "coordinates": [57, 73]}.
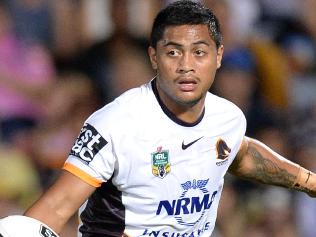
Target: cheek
{"type": "Point", "coordinates": [166, 68]}
{"type": "Point", "coordinates": [208, 68]}
{"type": "Point", "coordinates": [207, 74]}
{"type": "Point", "coordinates": [211, 62]}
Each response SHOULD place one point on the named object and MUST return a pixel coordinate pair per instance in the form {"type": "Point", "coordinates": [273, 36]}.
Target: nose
{"type": "Point", "coordinates": [185, 64]}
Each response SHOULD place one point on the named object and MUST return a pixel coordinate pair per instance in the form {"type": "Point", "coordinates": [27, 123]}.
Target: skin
{"type": "Point", "coordinates": [186, 60]}
{"type": "Point", "coordinates": [257, 162]}
{"type": "Point", "coordinates": [60, 201]}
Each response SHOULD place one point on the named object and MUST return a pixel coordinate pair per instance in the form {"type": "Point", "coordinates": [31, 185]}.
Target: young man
{"type": "Point", "coordinates": [152, 162]}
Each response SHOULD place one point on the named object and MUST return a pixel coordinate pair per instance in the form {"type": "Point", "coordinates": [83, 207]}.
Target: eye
{"type": "Point", "coordinates": [199, 52]}
{"type": "Point", "coordinates": [173, 53]}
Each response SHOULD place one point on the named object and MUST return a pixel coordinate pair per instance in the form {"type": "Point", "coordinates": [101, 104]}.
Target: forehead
{"type": "Point", "coordinates": [187, 34]}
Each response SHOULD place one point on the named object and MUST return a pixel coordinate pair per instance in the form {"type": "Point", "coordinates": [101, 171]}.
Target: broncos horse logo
{"type": "Point", "coordinates": [222, 150]}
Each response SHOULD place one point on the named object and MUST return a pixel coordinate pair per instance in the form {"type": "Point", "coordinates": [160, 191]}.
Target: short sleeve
{"type": "Point", "coordinates": [91, 157]}
{"type": "Point", "coordinates": [238, 133]}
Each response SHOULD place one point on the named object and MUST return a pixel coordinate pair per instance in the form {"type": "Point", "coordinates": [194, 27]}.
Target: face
{"type": "Point", "coordinates": [186, 60]}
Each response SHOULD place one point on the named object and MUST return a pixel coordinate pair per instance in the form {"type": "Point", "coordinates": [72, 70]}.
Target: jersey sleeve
{"type": "Point", "coordinates": [239, 133]}
{"type": "Point", "coordinates": [91, 157]}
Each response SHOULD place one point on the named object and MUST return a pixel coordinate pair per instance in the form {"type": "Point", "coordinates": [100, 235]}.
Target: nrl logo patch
{"type": "Point", "coordinates": [160, 164]}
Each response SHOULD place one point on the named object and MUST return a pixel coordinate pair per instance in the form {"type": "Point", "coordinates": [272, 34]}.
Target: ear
{"type": "Point", "coordinates": [220, 52]}
{"type": "Point", "coordinates": [153, 57]}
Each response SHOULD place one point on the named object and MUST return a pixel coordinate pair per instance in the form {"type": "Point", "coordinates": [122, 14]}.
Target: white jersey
{"type": "Point", "coordinates": [156, 175]}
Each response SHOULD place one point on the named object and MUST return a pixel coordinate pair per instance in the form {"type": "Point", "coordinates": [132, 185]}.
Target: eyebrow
{"type": "Point", "coordinates": [172, 43]}
{"type": "Point", "coordinates": [201, 42]}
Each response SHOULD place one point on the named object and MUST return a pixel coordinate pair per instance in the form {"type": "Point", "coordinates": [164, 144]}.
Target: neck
{"type": "Point", "coordinates": [188, 113]}
{"type": "Point", "coordinates": [183, 114]}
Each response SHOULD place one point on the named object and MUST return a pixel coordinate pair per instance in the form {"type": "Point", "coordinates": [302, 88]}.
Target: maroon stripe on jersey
{"type": "Point", "coordinates": [104, 214]}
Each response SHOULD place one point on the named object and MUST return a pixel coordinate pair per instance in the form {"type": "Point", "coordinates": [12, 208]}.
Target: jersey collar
{"type": "Point", "coordinates": [171, 115]}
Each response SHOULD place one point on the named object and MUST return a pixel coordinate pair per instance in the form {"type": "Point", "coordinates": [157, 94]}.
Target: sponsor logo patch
{"type": "Point", "coordinates": [88, 143]}
{"type": "Point", "coordinates": [160, 163]}
{"type": "Point", "coordinates": [45, 232]}
{"type": "Point", "coordinates": [193, 203]}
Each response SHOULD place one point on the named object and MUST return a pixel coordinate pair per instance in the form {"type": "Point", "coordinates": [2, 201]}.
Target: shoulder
{"type": "Point", "coordinates": [224, 113]}
{"type": "Point", "coordinates": [227, 119]}
{"type": "Point", "coordinates": [122, 109]}
{"type": "Point", "coordinates": [219, 105]}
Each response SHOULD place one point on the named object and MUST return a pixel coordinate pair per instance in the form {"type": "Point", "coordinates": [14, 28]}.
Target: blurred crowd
{"type": "Point", "coordinates": [60, 60]}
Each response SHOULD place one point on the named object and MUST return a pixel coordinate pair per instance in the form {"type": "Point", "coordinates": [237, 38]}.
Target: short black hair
{"type": "Point", "coordinates": [185, 12]}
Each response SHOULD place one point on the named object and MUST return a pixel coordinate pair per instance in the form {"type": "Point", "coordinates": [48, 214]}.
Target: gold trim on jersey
{"type": "Point", "coordinates": [83, 175]}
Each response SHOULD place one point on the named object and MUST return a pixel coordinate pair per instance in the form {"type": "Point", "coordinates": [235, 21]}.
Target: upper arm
{"type": "Point", "coordinates": [240, 164]}
{"type": "Point", "coordinates": [61, 201]}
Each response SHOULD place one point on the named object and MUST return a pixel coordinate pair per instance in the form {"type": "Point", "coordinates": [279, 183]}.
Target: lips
{"type": "Point", "coordinates": [187, 84]}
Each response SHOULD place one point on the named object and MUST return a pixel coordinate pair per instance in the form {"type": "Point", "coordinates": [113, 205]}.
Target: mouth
{"type": "Point", "coordinates": [187, 84]}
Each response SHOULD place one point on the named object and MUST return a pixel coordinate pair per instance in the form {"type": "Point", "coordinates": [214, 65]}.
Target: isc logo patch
{"type": "Point", "coordinates": [88, 144]}
{"type": "Point", "coordinates": [45, 232]}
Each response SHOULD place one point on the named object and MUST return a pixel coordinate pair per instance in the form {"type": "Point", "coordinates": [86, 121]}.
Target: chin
{"type": "Point", "coordinates": [189, 102]}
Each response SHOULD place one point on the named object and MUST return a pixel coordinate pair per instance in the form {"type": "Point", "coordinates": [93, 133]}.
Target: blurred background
{"type": "Point", "coordinates": [60, 60]}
